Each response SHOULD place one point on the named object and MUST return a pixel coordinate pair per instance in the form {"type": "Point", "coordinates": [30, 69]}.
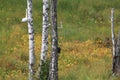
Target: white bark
{"type": "Point", "coordinates": [31, 39]}
{"type": "Point", "coordinates": [112, 31]}
{"type": "Point", "coordinates": [44, 48]}
{"type": "Point", "coordinates": [113, 39]}
{"type": "Point", "coordinates": [45, 26]}
{"type": "Point", "coordinates": [53, 72]}
{"type": "Point", "coordinates": [25, 19]}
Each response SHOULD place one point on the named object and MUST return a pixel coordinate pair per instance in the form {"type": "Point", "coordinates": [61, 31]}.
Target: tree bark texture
{"type": "Point", "coordinates": [116, 48]}
{"type": "Point", "coordinates": [31, 39]}
{"type": "Point", "coordinates": [113, 39]}
{"type": "Point", "coordinates": [117, 57]}
{"type": "Point", "coordinates": [112, 30]}
{"type": "Point", "coordinates": [45, 26]}
{"type": "Point", "coordinates": [44, 49]}
{"type": "Point", "coordinates": [53, 69]}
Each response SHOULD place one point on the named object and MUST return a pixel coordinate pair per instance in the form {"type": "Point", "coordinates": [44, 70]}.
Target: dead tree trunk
{"type": "Point", "coordinates": [113, 38]}
{"type": "Point", "coordinates": [117, 57]}
{"type": "Point", "coordinates": [112, 30]}
{"type": "Point", "coordinates": [53, 69]}
{"type": "Point", "coordinates": [116, 47]}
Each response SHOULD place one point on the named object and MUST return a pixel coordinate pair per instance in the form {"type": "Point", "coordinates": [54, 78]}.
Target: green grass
{"type": "Point", "coordinates": [89, 71]}
{"type": "Point", "coordinates": [88, 15]}
{"type": "Point", "coordinates": [82, 20]}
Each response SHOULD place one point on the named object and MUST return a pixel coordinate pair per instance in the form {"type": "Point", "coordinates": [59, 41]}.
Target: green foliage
{"type": "Point", "coordinates": [45, 70]}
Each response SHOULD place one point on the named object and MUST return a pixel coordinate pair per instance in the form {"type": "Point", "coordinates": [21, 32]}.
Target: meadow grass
{"type": "Point", "coordinates": [85, 53]}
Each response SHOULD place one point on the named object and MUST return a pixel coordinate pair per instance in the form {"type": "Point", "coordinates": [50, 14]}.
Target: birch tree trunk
{"type": "Point", "coordinates": [31, 38]}
{"type": "Point", "coordinates": [112, 30]}
{"type": "Point", "coordinates": [44, 49]}
{"type": "Point", "coordinates": [113, 39]}
{"type": "Point", "coordinates": [53, 69]}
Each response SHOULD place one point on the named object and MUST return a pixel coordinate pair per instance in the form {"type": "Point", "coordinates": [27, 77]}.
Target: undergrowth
{"type": "Point", "coordinates": [85, 39]}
